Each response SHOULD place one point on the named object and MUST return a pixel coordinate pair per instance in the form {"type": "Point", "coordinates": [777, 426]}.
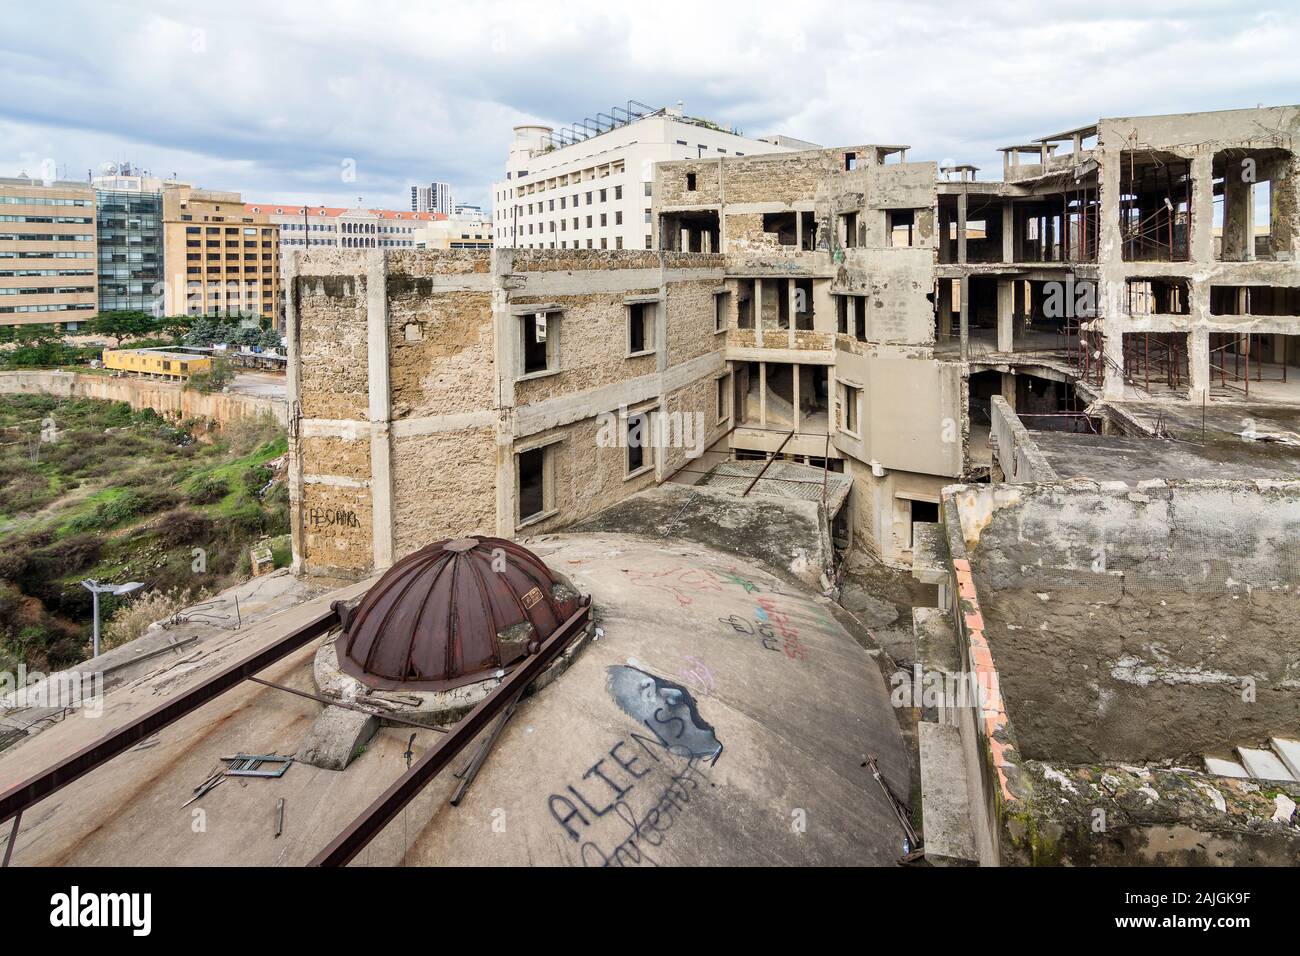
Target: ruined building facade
{"type": "Point", "coordinates": [842, 308]}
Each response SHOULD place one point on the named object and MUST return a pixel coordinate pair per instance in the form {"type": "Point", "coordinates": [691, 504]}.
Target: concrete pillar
{"type": "Point", "coordinates": [796, 373]}
{"type": "Point", "coordinates": [791, 296]}
{"type": "Point", "coordinates": [945, 308]}
{"type": "Point", "coordinates": [762, 394]}
{"type": "Point", "coordinates": [965, 318]}
{"type": "Point", "coordinates": [961, 237]}
{"type": "Point", "coordinates": [798, 229]}
{"type": "Point", "coordinates": [1006, 324]}
{"type": "Point", "coordinates": [1198, 362]}
{"type": "Point", "coordinates": [1008, 231]}
{"type": "Point", "coordinates": [1202, 244]}
{"type": "Point", "coordinates": [1239, 218]}
{"type": "Point", "coordinates": [381, 447]}
{"type": "Point", "coordinates": [758, 312]}
{"type": "Point", "coordinates": [1009, 389]}
{"type": "Point", "coordinates": [293, 372]}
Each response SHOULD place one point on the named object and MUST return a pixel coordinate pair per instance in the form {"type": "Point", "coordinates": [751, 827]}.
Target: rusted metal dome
{"type": "Point", "coordinates": [451, 614]}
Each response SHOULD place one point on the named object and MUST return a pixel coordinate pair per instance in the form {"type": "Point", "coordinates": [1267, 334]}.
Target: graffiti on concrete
{"type": "Point", "coordinates": [667, 709]}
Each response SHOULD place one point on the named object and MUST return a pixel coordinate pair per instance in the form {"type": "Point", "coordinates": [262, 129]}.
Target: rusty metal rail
{"type": "Point", "coordinates": [344, 847]}
{"type": "Point", "coordinates": [770, 458]}
{"type": "Point", "coordinates": [22, 795]}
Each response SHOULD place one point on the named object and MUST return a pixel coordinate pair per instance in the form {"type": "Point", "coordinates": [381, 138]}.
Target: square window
{"type": "Point", "coordinates": [538, 334]}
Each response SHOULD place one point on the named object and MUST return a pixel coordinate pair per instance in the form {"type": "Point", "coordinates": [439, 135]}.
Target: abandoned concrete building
{"type": "Point", "coordinates": [1057, 404]}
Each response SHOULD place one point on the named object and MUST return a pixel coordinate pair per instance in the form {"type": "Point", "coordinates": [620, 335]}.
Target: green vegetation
{"type": "Point", "coordinates": [121, 495]}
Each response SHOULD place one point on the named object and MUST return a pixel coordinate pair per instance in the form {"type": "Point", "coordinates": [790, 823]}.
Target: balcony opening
{"type": "Point", "coordinates": [693, 231]}
{"type": "Point", "coordinates": [1158, 297]}
{"type": "Point", "coordinates": [1254, 219]}
{"type": "Point", "coordinates": [782, 225]}
{"type": "Point", "coordinates": [1254, 300]}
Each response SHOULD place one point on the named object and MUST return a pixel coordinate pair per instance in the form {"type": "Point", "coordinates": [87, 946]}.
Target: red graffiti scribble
{"type": "Point", "coordinates": [793, 647]}
{"type": "Point", "coordinates": [679, 582]}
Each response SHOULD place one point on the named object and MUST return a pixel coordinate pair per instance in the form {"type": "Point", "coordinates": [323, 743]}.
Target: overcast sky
{"type": "Point", "coordinates": [274, 98]}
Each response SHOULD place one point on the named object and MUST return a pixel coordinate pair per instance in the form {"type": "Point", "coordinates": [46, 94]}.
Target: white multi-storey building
{"type": "Point", "coordinates": [435, 197]}
{"type": "Point", "coordinates": [595, 193]}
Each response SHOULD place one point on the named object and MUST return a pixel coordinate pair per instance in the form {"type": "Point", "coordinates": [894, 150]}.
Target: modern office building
{"type": "Point", "coordinates": [130, 254]}
{"type": "Point", "coordinates": [220, 259]}
{"type": "Point", "coordinates": [588, 187]}
{"type": "Point", "coordinates": [435, 197]}
{"type": "Point", "coordinates": [47, 252]}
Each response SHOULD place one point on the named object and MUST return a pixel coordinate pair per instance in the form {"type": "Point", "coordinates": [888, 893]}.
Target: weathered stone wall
{"type": "Point", "coordinates": [163, 397]}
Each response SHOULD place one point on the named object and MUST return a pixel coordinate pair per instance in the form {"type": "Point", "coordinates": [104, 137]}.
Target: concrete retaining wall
{"type": "Point", "coordinates": [166, 398]}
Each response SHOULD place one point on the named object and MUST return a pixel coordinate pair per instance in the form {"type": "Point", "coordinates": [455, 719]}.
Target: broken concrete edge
{"type": "Point", "coordinates": [1026, 461]}
{"type": "Point", "coordinates": [1116, 813]}
{"type": "Point", "coordinates": [996, 786]}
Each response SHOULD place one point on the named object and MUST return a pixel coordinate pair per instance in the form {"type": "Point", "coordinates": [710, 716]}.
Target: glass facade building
{"type": "Point", "coordinates": [130, 234]}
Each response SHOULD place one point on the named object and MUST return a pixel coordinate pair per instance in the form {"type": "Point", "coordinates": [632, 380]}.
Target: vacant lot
{"type": "Point", "coordinates": [94, 490]}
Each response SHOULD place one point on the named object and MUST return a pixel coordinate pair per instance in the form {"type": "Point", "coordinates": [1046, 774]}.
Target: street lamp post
{"type": "Point", "coordinates": [96, 589]}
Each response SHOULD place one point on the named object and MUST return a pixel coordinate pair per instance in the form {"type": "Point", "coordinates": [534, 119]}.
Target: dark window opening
{"type": "Point", "coordinates": [532, 491]}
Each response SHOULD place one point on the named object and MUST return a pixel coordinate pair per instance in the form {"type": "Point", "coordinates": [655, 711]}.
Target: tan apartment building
{"type": "Point", "coordinates": [220, 258]}
{"type": "Point", "coordinates": [47, 252]}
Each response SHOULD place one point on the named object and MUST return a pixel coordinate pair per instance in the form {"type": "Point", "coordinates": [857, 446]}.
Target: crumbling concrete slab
{"type": "Point", "coordinates": [1288, 751]}
{"type": "Point", "coordinates": [336, 738]}
{"type": "Point", "coordinates": [948, 835]}
{"type": "Point", "coordinates": [1224, 768]}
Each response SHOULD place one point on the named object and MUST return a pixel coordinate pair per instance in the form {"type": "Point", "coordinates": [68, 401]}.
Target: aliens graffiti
{"type": "Point", "coordinates": [668, 709]}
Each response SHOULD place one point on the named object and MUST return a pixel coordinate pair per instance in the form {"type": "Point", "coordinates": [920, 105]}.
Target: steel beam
{"type": "Point", "coordinates": [388, 804]}
{"type": "Point", "coordinates": [23, 795]}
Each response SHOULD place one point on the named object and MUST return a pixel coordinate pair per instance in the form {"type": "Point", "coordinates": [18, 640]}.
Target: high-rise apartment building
{"type": "Point", "coordinates": [435, 197]}
{"type": "Point", "coordinates": [220, 259]}
{"type": "Point", "coordinates": [130, 232]}
{"type": "Point", "coordinates": [47, 252]}
{"type": "Point", "coordinates": [591, 190]}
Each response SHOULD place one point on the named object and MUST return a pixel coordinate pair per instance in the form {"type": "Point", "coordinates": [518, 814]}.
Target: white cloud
{"type": "Point", "coordinates": [269, 98]}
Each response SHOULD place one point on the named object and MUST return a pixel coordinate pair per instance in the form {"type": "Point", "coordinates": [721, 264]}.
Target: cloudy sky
{"type": "Point", "coordinates": [275, 98]}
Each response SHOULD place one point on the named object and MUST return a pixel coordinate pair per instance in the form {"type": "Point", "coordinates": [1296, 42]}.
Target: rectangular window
{"type": "Point", "coordinates": [849, 230]}
{"type": "Point", "coordinates": [538, 333]}
{"type": "Point", "coordinates": [532, 483]}
{"type": "Point", "coordinates": [720, 300]}
{"type": "Point", "coordinates": [640, 327]}
{"type": "Point", "coordinates": [849, 396]}
{"type": "Point", "coordinates": [638, 436]}
{"type": "Point", "coordinates": [724, 391]}
{"type": "Point", "coordinates": [690, 182]}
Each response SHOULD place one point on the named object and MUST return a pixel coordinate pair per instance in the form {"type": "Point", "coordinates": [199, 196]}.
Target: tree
{"type": "Point", "coordinates": [123, 324]}
{"type": "Point", "coordinates": [177, 326]}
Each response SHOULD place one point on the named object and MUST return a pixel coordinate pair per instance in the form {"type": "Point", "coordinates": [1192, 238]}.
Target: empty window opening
{"type": "Point", "coordinates": [783, 226]}
{"type": "Point", "coordinates": [745, 304]}
{"type": "Point", "coordinates": [638, 438]}
{"type": "Point", "coordinates": [1155, 207]}
{"type": "Point", "coordinates": [848, 407]}
{"type": "Point", "coordinates": [1157, 362]}
{"type": "Point", "coordinates": [900, 226]}
{"type": "Point", "coordinates": [720, 301]}
{"type": "Point", "coordinates": [694, 231]}
{"type": "Point", "coordinates": [532, 483]}
{"type": "Point", "coordinates": [538, 333]}
{"type": "Point", "coordinates": [641, 327]}
{"type": "Point", "coordinates": [808, 228]}
{"type": "Point", "coordinates": [982, 386]}
{"type": "Point", "coordinates": [690, 182]}
{"type": "Point", "coordinates": [921, 512]}
{"type": "Point", "coordinates": [1158, 297]}
{"type": "Point", "coordinates": [723, 397]}
{"type": "Point", "coordinates": [1254, 300]}
{"type": "Point", "coordinates": [1260, 366]}
{"type": "Point", "coordinates": [850, 162]}
{"type": "Point", "coordinates": [849, 230]}
{"type": "Point", "coordinates": [803, 304]}
{"type": "Point", "coordinates": [1253, 220]}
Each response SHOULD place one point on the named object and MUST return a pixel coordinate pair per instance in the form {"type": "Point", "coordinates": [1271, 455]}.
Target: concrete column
{"type": "Point", "coordinates": [1006, 324]}
{"type": "Point", "coordinates": [1202, 245]}
{"type": "Point", "coordinates": [1239, 218]}
{"type": "Point", "coordinates": [961, 238]}
{"type": "Point", "coordinates": [758, 312]}
{"type": "Point", "coordinates": [1008, 231]}
{"type": "Point", "coordinates": [762, 394]}
{"type": "Point", "coordinates": [945, 308]}
{"type": "Point", "coordinates": [798, 230]}
{"type": "Point", "coordinates": [381, 447]}
{"type": "Point", "coordinates": [965, 318]}
{"type": "Point", "coordinates": [1009, 389]}
{"type": "Point", "coordinates": [796, 372]}
{"type": "Point", "coordinates": [791, 292]}
{"type": "Point", "coordinates": [1198, 362]}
